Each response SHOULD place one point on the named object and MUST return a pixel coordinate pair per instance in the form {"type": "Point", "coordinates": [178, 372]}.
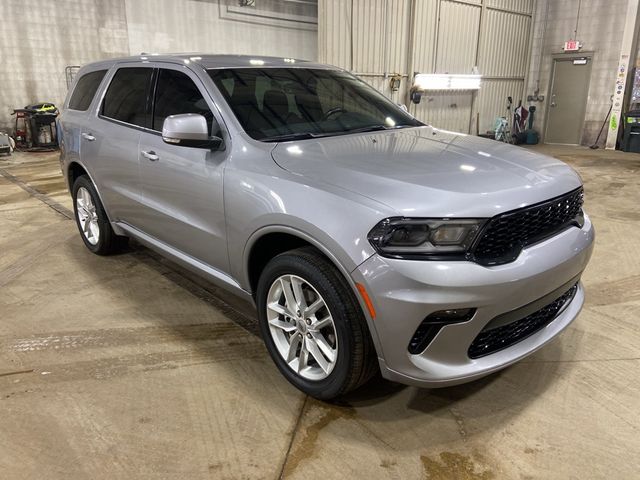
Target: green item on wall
{"type": "Point", "coordinates": [614, 122]}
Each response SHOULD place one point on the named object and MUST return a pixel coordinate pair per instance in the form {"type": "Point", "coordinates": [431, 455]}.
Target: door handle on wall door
{"type": "Point", "coordinates": [88, 136]}
{"type": "Point", "coordinates": [150, 154]}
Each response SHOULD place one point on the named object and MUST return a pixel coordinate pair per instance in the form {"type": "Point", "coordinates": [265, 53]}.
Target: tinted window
{"type": "Point", "coordinates": [126, 97]}
{"type": "Point", "coordinates": [176, 93]}
{"type": "Point", "coordinates": [85, 90]}
{"type": "Point", "coordinates": [284, 102]}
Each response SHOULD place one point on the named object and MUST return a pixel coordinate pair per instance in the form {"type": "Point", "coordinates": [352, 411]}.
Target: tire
{"type": "Point", "coordinates": [348, 356]}
{"type": "Point", "coordinates": [91, 219]}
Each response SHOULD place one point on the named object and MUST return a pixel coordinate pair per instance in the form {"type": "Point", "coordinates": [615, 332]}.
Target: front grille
{"type": "Point", "coordinates": [505, 235]}
{"type": "Point", "coordinates": [495, 339]}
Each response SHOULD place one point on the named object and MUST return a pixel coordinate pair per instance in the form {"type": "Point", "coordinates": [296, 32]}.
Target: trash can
{"type": "Point", "coordinates": [631, 135]}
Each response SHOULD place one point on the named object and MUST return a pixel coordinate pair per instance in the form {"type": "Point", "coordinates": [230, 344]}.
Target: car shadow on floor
{"type": "Point", "coordinates": [508, 392]}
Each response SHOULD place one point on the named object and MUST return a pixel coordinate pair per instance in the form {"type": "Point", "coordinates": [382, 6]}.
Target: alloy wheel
{"type": "Point", "coordinates": [87, 216]}
{"type": "Point", "coordinates": [302, 327]}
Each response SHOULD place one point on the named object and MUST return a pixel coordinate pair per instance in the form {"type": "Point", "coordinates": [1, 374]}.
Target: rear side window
{"type": "Point", "coordinates": [126, 97]}
{"type": "Point", "coordinates": [175, 94]}
{"type": "Point", "coordinates": [85, 90]}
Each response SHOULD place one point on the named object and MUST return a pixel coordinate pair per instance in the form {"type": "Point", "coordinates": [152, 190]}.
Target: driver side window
{"type": "Point", "coordinates": [175, 94]}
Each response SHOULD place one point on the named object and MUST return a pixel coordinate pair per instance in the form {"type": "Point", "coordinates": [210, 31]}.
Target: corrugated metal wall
{"type": "Point", "coordinates": [378, 38]}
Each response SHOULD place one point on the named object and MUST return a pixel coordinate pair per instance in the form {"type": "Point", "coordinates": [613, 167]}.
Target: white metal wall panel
{"type": "Point", "coordinates": [492, 100]}
{"type": "Point", "coordinates": [524, 6]}
{"type": "Point", "coordinates": [503, 44]}
{"type": "Point", "coordinates": [446, 39]}
{"type": "Point", "coordinates": [397, 35]}
{"type": "Point", "coordinates": [425, 29]}
{"type": "Point", "coordinates": [457, 37]}
{"type": "Point", "coordinates": [368, 35]}
{"type": "Point", "coordinates": [334, 32]}
{"type": "Point", "coordinates": [446, 110]}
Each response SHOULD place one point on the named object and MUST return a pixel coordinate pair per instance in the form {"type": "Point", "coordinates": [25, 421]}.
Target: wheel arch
{"type": "Point", "coordinates": [74, 170]}
{"type": "Point", "coordinates": [270, 241]}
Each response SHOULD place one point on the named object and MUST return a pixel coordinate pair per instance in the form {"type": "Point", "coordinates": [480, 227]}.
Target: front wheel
{"type": "Point", "coordinates": [313, 326]}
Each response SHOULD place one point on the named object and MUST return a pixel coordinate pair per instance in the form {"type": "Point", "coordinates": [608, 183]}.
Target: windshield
{"type": "Point", "coordinates": [275, 104]}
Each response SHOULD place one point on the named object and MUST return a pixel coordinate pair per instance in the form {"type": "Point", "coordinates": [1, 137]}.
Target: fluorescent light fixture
{"type": "Point", "coordinates": [437, 81]}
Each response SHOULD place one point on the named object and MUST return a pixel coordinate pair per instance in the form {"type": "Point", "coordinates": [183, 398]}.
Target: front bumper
{"type": "Point", "coordinates": [404, 292]}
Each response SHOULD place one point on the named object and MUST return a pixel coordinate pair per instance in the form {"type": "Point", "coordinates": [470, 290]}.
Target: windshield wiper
{"type": "Point", "coordinates": [290, 136]}
{"type": "Point", "coordinates": [370, 128]}
{"type": "Point", "coordinates": [306, 135]}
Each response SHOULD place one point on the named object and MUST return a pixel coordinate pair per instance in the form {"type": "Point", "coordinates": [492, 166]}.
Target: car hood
{"type": "Point", "coordinates": [424, 171]}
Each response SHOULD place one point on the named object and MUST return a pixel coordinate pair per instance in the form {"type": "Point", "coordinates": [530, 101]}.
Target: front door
{"type": "Point", "coordinates": [182, 186]}
{"type": "Point", "coordinates": [567, 100]}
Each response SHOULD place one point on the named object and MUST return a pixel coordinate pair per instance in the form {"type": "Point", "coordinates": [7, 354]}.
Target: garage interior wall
{"type": "Point", "coordinates": [512, 42]}
{"type": "Point", "coordinates": [378, 38]}
{"type": "Point", "coordinates": [39, 39]}
{"type": "Point", "coordinates": [598, 25]}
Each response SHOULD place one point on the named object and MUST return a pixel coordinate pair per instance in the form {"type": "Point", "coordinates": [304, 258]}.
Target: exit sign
{"type": "Point", "coordinates": [572, 46]}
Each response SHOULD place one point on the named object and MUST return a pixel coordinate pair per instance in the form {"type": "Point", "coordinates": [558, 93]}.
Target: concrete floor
{"type": "Point", "coordinates": [126, 367]}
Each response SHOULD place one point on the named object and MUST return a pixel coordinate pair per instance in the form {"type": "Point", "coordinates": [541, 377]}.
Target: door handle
{"type": "Point", "coordinates": [88, 136]}
{"type": "Point", "coordinates": [150, 154]}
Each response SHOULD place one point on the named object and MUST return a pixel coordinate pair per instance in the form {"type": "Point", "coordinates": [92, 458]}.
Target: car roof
{"type": "Point", "coordinates": [209, 61]}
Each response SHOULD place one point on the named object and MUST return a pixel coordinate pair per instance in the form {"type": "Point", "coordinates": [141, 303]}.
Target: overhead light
{"type": "Point", "coordinates": [437, 81]}
{"type": "Point", "coordinates": [254, 61]}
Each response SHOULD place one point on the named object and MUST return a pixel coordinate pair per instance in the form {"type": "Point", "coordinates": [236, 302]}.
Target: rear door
{"type": "Point", "coordinates": [182, 186]}
{"type": "Point", "coordinates": [111, 138]}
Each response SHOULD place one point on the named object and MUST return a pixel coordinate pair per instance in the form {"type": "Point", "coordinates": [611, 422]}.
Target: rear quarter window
{"type": "Point", "coordinates": [85, 89]}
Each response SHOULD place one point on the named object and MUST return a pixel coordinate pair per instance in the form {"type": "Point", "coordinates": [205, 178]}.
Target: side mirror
{"type": "Point", "coordinates": [189, 130]}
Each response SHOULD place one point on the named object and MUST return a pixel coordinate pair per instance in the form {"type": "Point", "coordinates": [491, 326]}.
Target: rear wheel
{"type": "Point", "coordinates": [92, 221]}
{"type": "Point", "coordinates": [313, 326]}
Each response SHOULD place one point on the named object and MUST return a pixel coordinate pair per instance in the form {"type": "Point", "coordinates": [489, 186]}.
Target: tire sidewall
{"type": "Point", "coordinates": [293, 265]}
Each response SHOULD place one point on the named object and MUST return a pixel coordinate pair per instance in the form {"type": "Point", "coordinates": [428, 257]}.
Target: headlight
{"type": "Point", "coordinates": [419, 237]}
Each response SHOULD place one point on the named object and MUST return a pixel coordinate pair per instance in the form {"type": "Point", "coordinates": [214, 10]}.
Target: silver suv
{"type": "Point", "coordinates": [367, 240]}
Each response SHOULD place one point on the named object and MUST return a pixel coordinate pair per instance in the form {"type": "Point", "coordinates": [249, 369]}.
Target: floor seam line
{"type": "Point", "coordinates": [293, 437]}
{"type": "Point", "coordinates": [44, 198]}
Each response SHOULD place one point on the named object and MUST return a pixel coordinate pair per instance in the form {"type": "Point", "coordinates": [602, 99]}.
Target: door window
{"type": "Point", "coordinates": [85, 90]}
{"type": "Point", "coordinates": [126, 97]}
{"type": "Point", "coordinates": [176, 93]}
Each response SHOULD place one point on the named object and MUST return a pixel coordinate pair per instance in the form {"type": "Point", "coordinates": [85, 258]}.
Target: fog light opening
{"type": "Point", "coordinates": [433, 323]}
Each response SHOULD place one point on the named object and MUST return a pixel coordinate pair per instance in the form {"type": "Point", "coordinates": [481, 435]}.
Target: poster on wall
{"type": "Point", "coordinates": [299, 14]}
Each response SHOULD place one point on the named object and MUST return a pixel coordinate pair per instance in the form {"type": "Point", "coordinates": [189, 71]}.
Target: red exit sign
{"type": "Point", "coordinates": [572, 46]}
